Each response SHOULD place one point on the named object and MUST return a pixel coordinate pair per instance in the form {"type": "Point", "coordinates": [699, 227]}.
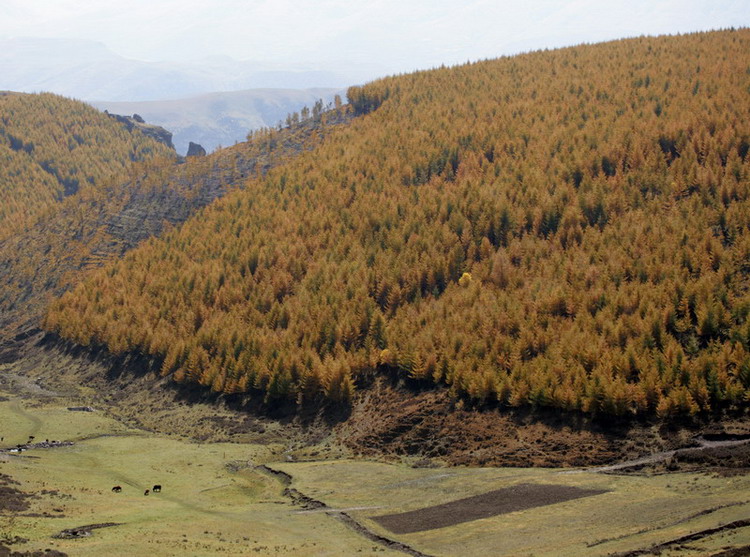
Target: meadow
{"type": "Point", "coordinates": [224, 498]}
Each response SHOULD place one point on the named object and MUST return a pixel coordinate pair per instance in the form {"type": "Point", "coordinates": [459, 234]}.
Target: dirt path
{"type": "Point", "coordinates": [662, 527]}
{"type": "Point", "coordinates": [328, 510]}
{"type": "Point", "coordinates": [662, 456]}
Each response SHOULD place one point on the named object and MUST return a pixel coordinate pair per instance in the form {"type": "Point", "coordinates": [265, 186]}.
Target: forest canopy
{"type": "Point", "coordinates": [51, 147]}
{"type": "Point", "coordinates": [566, 229]}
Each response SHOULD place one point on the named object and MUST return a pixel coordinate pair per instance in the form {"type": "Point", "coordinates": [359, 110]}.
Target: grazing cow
{"type": "Point", "coordinates": [146, 492]}
{"type": "Point", "coordinates": [31, 438]}
{"type": "Point", "coordinates": [156, 488]}
{"type": "Point", "coordinates": [117, 489]}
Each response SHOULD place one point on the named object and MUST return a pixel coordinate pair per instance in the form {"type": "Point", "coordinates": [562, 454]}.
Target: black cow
{"type": "Point", "coordinates": [146, 492]}
{"type": "Point", "coordinates": [117, 489]}
{"type": "Point", "coordinates": [156, 488]}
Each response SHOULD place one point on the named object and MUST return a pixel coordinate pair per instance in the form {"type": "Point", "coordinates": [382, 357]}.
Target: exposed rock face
{"type": "Point", "coordinates": [135, 121]}
{"type": "Point", "coordinates": [195, 150]}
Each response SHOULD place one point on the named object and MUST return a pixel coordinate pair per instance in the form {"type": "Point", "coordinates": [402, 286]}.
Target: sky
{"type": "Point", "coordinates": [390, 36]}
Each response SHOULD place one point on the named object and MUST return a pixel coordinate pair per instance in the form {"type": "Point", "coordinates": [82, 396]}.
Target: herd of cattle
{"type": "Point", "coordinates": [30, 444]}
{"type": "Point", "coordinates": [155, 489]}
{"type": "Point", "coordinates": [47, 444]}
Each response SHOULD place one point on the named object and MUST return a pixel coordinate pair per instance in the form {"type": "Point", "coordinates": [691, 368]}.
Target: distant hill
{"type": "Point", "coordinates": [51, 147]}
{"type": "Point", "coordinates": [87, 70]}
{"type": "Point", "coordinates": [220, 118]}
{"type": "Point", "coordinates": [565, 229]}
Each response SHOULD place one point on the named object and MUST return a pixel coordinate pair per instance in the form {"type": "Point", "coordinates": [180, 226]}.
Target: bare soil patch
{"type": "Point", "coordinates": [500, 501]}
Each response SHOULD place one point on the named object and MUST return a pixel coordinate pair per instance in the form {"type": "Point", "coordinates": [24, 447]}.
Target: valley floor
{"type": "Point", "coordinates": [251, 493]}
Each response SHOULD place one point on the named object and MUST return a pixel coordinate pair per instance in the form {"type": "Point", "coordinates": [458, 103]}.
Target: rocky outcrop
{"type": "Point", "coordinates": [136, 122]}
{"type": "Point", "coordinates": [195, 150]}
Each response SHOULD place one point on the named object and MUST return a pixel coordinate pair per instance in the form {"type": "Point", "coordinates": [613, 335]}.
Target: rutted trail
{"type": "Point", "coordinates": [662, 456]}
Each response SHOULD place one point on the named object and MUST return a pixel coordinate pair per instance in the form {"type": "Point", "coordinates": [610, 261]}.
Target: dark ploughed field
{"type": "Point", "coordinates": [501, 501]}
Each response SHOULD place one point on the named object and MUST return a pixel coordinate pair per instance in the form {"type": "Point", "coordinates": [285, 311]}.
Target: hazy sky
{"type": "Point", "coordinates": [395, 35]}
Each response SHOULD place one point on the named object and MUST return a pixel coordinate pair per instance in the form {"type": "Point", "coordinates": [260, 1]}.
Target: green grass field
{"type": "Point", "coordinates": [215, 500]}
{"type": "Point", "coordinates": [637, 511]}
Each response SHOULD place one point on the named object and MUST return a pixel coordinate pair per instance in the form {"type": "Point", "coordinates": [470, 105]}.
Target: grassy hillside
{"type": "Point", "coordinates": [565, 228]}
{"type": "Point", "coordinates": [51, 147]}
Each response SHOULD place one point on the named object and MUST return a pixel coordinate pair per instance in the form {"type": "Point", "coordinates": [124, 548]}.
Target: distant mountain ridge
{"type": "Point", "coordinates": [88, 70]}
{"type": "Point", "coordinates": [220, 119]}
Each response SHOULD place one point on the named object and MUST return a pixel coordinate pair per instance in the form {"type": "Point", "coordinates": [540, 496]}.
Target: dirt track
{"type": "Point", "coordinates": [725, 453]}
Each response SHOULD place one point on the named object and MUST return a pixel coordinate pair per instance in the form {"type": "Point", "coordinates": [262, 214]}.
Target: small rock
{"type": "Point", "coordinates": [195, 150]}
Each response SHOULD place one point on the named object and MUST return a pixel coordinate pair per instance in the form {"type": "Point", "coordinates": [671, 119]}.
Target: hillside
{"type": "Point", "coordinates": [565, 229]}
{"type": "Point", "coordinates": [221, 119]}
{"type": "Point", "coordinates": [99, 224]}
{"type": "Point", "coordinates": [51, 147]}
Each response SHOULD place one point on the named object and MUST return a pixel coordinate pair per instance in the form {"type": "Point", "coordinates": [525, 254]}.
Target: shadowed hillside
{"type": "Point", "coordinates": [565, 228]}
